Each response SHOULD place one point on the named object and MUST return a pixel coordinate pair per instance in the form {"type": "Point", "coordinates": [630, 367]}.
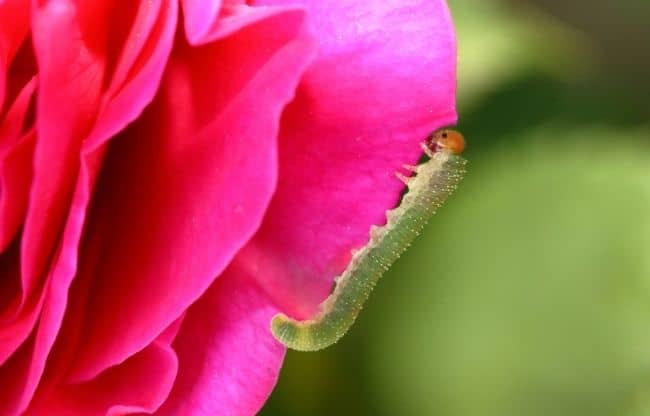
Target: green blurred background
{"type": "Point", "coordinates": [529, 292]}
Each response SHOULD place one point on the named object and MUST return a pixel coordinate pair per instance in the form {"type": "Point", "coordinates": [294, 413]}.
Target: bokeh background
{"type": "Point", "coordinates": [529, 292]}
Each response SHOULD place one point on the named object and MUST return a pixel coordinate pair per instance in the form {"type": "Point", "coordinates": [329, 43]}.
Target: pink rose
{"type": "Point", "coordinates": [169, 181]}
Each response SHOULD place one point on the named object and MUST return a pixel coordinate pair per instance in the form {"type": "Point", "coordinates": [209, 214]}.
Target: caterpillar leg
{"type": "Point", "coordinates": [427, 150]}
{"type": "Point", "coordinates": [410, 168]}
{"type": "Point", "coordinates": [402, 178]}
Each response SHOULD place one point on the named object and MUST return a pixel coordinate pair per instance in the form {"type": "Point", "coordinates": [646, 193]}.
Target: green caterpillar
{"type": "Point", "coordinates": [432, 183]}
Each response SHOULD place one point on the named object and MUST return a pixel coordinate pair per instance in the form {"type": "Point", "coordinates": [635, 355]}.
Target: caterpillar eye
{"type": "Point", "coordinates": [449, 140]}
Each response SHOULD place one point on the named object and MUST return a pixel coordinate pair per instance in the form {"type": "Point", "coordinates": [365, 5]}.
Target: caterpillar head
{"type": "Point", "coordinates": [447, 139]}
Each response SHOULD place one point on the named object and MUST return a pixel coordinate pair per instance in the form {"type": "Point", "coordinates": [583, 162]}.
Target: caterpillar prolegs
{"type": "Point", "coordinates": [432, 183]}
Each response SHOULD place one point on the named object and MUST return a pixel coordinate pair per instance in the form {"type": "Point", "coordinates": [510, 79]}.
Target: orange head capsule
{"type": "Point", "coordinates": [449, 140]}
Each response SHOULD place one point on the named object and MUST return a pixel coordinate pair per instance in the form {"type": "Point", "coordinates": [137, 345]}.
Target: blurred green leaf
{"type": "Point", "coordinates": [497, 42]}
{"type": "Point", "coordinates": [529, 294]}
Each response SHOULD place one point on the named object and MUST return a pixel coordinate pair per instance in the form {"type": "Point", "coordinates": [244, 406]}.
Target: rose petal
{"type": "Point", "coordinates": [384, 79]}
{"type": "Point", "coordinates": [126, 101]}
{"type": "Point", "coordinates": [232, 17]}
{"type": "Point", "coordinates": [70, 79]}
{"type": "Point", "coordinates": [17, 139]}
{"type": "Point", "coordinates": [228, 359]}
{"type": "Point", "coordinates": [13, 375]}
{"type": "Point", "coordinates": [187, 185]}
{"type": "Point", "coordinates": [3, 82]}
{"type": "Point", "coordinates": [14, 25]}
{"type": "Point", "coordinates": [17, 323]}
{"type": "Point", "coordinates": [140, 384]}
{"type": "Point", "coordinates": [133, 36]}
{"type": "Point", "coordinates": [15, 327]}
{"type": "Point", "coordinates": [16, 150]}
{"type": "Point", "coordinates": [15, 177]}
{"type": "Point", "coordinates": [138, 72]}
{"type": "Point", "coordinates": [199, 16]}
{"type": "Point", "coordinates": [9, 294]}
{"type": "Point", "coordinates": [13, 122]}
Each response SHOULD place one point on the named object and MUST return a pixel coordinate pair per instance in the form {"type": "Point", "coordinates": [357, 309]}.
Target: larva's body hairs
{"type": "Point", "coordinates": [433, 181]}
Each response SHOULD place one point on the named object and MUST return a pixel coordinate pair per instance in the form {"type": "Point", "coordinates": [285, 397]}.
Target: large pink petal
{"type": "Point", "coordinates": [384, 79]}
{"type": "Point", "coordinates": [187, 185]}
{"type": "Point", "coordinates": [228, 359]}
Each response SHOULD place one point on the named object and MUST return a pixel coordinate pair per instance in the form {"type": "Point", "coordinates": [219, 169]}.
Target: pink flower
{"type": "Point", "coordinates": [169, 181]}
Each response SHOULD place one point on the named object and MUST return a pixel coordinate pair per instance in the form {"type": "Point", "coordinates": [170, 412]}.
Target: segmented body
{"type": "Point", "coordinates": [433, 182]}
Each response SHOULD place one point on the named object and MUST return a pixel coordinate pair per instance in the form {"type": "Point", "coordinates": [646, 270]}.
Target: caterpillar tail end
{"type": "Point", "coordinates": [297, 335]}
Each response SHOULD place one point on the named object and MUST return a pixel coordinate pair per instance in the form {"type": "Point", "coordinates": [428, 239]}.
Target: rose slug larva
{"type": "Point", "coordinates": [432, 183]}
